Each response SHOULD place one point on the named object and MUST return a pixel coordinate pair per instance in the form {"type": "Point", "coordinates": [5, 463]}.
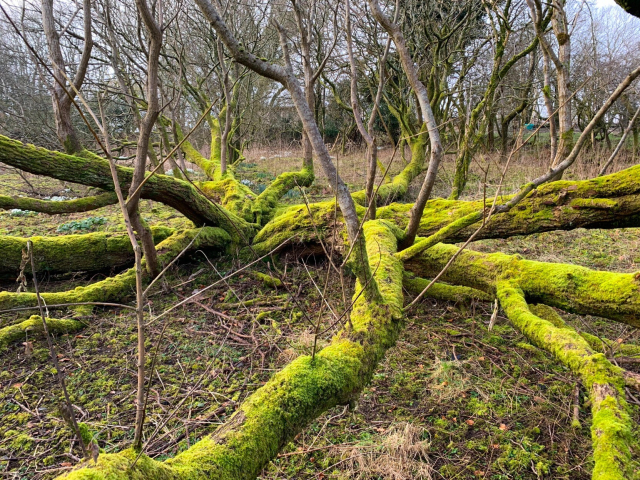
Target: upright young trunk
{"type": "Point", "coordinates": [287, 78]}
{"type": "Point", "coordinates": [548, 103]}
{"type": "Point", "coordinates": [367, 134]}
{"type": "Point", "coordinates": [490, 132]}
{"type": "Point", "coordinates": [309, 82]}
{"type": "Point", "coordinates": [307, 148]}
{"type": "Point", "coordinates": [225, 127]}
{"type": "Point", "coordinates": [563, 74]}
{"type": "Point", "coordinates": [437, 153]}
{"type": "Point", "coordinates": [61, 95]}
{"type": "Point", "coordinates": [142, 147]}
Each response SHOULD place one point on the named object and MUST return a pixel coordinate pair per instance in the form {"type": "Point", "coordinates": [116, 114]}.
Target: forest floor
{"type": "Point", "coordinates": [451, 400]}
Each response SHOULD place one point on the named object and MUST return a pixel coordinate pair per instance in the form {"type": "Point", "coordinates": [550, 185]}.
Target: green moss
{"type": "Point", "coordinates": [308, 386]}
{"type": "Point", "coordinates": [612, 429]}
{"type": "Point", "coordinates": [72, 253]}
{"type": "Point", "coordinates": [55, 208]}
{"type": "Point", "coordinates": [119, 287]}
{"type": "Point", "coordinates": [268, 280]}
{"type": "Point", "coordinates": [232, 194]}
{"type": "Point", "coordinates": [568, 287]}
{"type": "Point", "coordinates": [33, 326]}
{"type": "Point", "coordinates": [444, 292]}
{"type": "Point", "coordinates": [595, 203]}
{"type": "Point", "coordinates": [517, 459]}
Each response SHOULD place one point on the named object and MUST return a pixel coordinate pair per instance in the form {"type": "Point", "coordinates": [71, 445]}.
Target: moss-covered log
{"type": "Point", "coordinates": [72, 253]}
{"type": "Point", "coordinates": [612, 429]}
{"type": "Point", "coordinates": [304, 389]}
{"type": "Point", "coordinates": [612, 201]}
{"type": "Point", "coordinates": [85, 204]}
{"type": "Point", "coordinates": [122, 286]}
{"type": "Point", "coordinates": [569, 287]}
{"type": "Point", "coordinates": [94, 171]}
{"type": "Point", "coordinates": [33, 326]}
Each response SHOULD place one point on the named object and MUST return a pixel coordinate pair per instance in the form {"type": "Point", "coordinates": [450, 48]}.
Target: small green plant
{"type": "Point", "coordinates": [16, 212]}
{"type": "Point", "coordinates": [86, 224]}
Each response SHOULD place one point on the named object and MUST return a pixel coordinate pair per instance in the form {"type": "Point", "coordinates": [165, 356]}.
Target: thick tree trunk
{"type": "Point", "coordinates": [119, 287]}
{"type": "Point", "coordinates": [294, 397]}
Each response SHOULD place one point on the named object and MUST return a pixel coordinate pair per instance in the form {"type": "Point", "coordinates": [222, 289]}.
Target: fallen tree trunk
{"type": "Point", "coordinates": [72, 253]}
{"type": "Point", "coordinates": [122, 286]}
{"type": "Point", "coordinates": [612, 201]}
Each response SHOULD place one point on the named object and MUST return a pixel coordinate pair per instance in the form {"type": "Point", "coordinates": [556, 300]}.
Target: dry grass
{"type": "Point", "coordinates": [485, 170]}
{"type": "Point", "coordinates": [401, 455]}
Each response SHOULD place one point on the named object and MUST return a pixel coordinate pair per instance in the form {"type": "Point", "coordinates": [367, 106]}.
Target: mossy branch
{"type": "Point", "coordinates": [122, 286]}
{"type": "Point", "coordinates": [563, 205]}
{"type": "Point", "coordinates": [444, 292]}
{"type": "Point", "coordinates": [304, 389]}
{"type": "Point", "coordinates": [569, 287]}
{"type": "Point", "coordinates": [264, 206]}
{"type": "Point", "coordinates": [72, 253]}
{"type": "Point", "coordinates": [33, 325]}
{"type": "Point", "coordinates": [94, 171]}
{"type": "Point", "coordinates": [399, 185]}
{"type": "Point", "coordinates": [50, 207]}
{"type": "Point", "coordinates": [612, 429]}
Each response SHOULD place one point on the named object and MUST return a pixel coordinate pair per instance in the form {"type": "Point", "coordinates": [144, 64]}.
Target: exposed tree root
{"type": "Point", "coordinates": [614, 445]}
{"type": "Point", "coordinates": [304, 389]}
{"type": "Point", "coordinates": [122, 286]}
{"type": "Point", "coordinates": [72, 253]}
{"type": "Point", "coordinates": [33, 325]}
{"type": "Point", "coordinates": [50, 207]}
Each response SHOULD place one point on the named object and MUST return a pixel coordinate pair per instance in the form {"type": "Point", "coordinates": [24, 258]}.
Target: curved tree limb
{"type": "Point", "coordinates": [569, 287]}
{"type": "Point", "coordinates": [612, 429]}
{"type": "Point", "coordinates": [94, 171]}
